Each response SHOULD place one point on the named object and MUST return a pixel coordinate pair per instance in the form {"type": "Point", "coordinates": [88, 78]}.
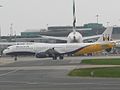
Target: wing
{"type": "Point", "coordinates": [65, 38]}
{"type": "Point", "coordinates": [91, 37]}
{"type": "Point", "coordinates": [58, 38]}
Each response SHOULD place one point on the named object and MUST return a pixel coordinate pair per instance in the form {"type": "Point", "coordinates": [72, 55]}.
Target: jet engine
{"type": "Point", "coordinates": [48, 53]}
{"type": "Point", "coordinates": [74, 37]}
{"type": "Point", "coordinates": [41, 55]}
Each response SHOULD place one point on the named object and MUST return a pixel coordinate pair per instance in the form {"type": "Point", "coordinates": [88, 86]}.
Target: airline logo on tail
{"type": "Point", "coordinates": [106, 37]}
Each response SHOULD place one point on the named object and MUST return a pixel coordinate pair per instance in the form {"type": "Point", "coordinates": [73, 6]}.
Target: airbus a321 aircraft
{"type": "Point", "coordinates": [43, 50]}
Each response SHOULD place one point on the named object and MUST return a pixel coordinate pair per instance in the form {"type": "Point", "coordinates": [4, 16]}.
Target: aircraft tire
{"type": "Point", "coordinates": [54, 57]}
{"type": "Point", "coordinates": [15, 58]}
{"type": "Point", "coordinates": [61, 57]}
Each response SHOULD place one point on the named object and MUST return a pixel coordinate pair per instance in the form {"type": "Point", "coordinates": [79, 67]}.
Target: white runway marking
{"type": "Point", "coordinates": [78, 61]}
{"type": "Point", "coordinates": [57, 83]}
{"type": "Point", "coordinates": [8, 73]}
{"type": "Point", "coordinates": [69, 67]}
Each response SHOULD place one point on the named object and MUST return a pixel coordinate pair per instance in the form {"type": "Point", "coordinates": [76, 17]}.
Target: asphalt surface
{"type": "Point", "coordinates": [29, 73]}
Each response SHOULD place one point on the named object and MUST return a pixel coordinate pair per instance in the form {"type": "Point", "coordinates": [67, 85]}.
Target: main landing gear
{"type": "Point", "coordinates": [15, 58]}
{"type": "Point", "coordinates": [61, 57]}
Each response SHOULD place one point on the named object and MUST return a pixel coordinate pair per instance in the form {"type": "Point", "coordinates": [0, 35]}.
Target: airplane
{"type": "Point", "coordinates": [43, 50]}
{"type": "Point", "coordinates": [74, 36]}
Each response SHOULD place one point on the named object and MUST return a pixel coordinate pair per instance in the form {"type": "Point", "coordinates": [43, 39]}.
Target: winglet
{"type": "Point", "coordinates": [106, 36]}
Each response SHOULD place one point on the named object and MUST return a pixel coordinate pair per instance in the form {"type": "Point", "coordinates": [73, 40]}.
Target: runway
{"type": "Point", "coordinates": [29, 73]}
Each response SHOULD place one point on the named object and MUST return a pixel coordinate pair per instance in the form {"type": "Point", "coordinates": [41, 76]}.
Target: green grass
{"type": "Point", "coordinates": [101, 61]}
{"type": "Point", "coordinates": [98, 72]}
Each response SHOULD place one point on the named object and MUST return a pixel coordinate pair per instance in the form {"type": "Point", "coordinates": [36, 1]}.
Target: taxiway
{"type": "Point", "coordinates": [29, 73]}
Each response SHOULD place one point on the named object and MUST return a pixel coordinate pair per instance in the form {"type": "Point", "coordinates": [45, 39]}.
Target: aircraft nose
{"type": "Point", "coordinates": [5, 51]}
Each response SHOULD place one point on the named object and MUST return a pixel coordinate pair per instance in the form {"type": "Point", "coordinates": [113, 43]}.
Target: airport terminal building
{"type": "Point", "coordinates": [63, 31]}
{"type": "Point", "coordinates": [59, 31]}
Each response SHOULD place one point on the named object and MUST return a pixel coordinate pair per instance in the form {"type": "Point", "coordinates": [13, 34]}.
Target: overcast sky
{"type": "Point", "coordinates": [36, 14]}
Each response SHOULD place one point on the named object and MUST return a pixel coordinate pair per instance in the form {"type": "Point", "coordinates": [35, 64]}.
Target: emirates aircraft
{"type": "Point", "coordinates": [74, 36]}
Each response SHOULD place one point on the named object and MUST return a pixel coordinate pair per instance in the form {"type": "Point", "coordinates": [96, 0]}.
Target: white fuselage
{"type": "Point", "coordinates": [42, 47]}
{"type": "Point", "coordinates": [60, 48]}
{"type": "Point", "coordinates": [74, 37]}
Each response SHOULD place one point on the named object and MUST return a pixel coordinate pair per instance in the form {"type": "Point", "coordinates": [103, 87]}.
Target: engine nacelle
{"type": "Point", "coordinates": [74, 37]}
{"type": "Point", "coordinates": [41, 55]}
{"type": "Point", "coordinates": [108, 50]}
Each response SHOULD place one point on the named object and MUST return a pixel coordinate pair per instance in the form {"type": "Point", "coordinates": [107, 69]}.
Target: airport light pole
{"type": "Point", "coordinates": [0, 31]}
{"type": "Point", "coordinates": [47, 27]}
{"type": "Point", "coordinates": [97, 23]}
{"type": "Point", "coordinates": [0, 25]}
{"type": "Point", "coordinates": [11, 29]}
{"type": "Point", "coordinates": [15, 36]}
{"type": "Point", "coordinates": [108, 24]}
{"type": "Point", "coordinates": [97, 16]}
{"type": "Point", "coordinates": [1, 6]}
{"type": "Point", "coordinates": [119, 21]}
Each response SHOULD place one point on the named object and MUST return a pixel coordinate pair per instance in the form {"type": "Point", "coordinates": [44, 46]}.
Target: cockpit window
{"type": "Point", "coordinates": [7, 48]}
